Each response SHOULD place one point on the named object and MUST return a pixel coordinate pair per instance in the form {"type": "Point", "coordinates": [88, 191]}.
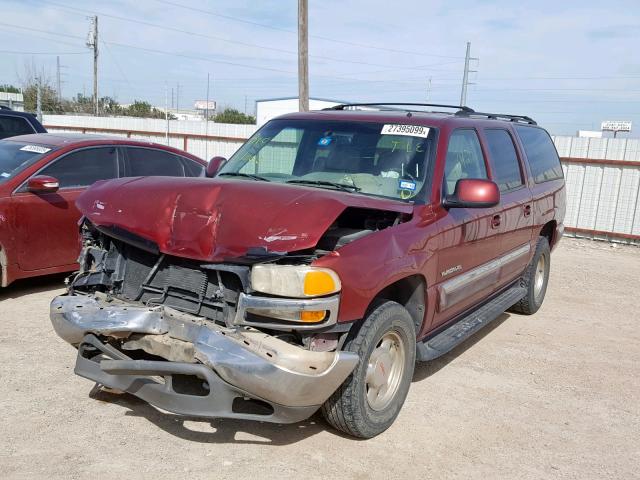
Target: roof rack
{"type": "Point", "coordinates": [461, 110]}
{"type": "Point", "coordinates": [390, 104]}
{"type": "Point", "coordinates": [498, 116]}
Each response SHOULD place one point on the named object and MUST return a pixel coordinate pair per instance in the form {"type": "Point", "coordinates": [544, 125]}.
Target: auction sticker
{"type": "Point", "coordinates": [406, 185]}
{"type": "Point", "coordinates": [35, 149]}
{"type": "Point", "coordinates": [406, 130]}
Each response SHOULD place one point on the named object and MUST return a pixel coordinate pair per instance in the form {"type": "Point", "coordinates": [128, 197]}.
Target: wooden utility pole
{"type": "Point", "coordinates": [303, 55]}
{"type": "Point", "coordinates": [39, 99]}
{"type": "Point", "coordinates": [92, 43]}
{"type": "Point", "coordinates": [58, 87]}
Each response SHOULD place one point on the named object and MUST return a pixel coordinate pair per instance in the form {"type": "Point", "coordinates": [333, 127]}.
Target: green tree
{"type": "Point", "coordinates": [144, 110]}
{"type": "Point", "coordinates": [48, 98]}
{"type": "Point", "coordinates": [231, 115]}
{"type": "Point", "coordinates": [9, 88]}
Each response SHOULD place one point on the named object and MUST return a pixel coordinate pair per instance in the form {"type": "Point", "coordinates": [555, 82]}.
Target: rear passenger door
{"type": "Point", "coordinates": [516, 214]}
{"type": "Point", "coordinates": [470, 243]}
{"type": "Point", "coordinates": [145, 162]}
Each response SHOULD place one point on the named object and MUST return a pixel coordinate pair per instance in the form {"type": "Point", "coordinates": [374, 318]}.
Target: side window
{"type": "Point", "coordinates": [12, 126]}
{"type": "Point", "coordinates": [84, 167]}
{"type": "Point", "coordinates": [147, 162]}
{"type": "Point", "coordinates": [541, 154]}
{"type": "Point", "coordinates": [464, 158]}
{"type": "Point", "coordinates": [504, 160]}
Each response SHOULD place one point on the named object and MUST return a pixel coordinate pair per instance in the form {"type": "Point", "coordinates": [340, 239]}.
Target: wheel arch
{"type": "Point", "coordinates": [410, 292]}
{"type": "Point", "coordinates": [549, 232]}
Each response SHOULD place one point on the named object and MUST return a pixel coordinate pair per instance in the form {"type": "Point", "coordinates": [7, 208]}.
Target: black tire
{"type": "Point", "coordinates": [532, 301]}
{"type": "Point", "coordinates": [349, 409]}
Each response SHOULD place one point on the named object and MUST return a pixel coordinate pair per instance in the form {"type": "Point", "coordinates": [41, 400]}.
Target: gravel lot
{"type": "Point", "coordinates": [554, 395]}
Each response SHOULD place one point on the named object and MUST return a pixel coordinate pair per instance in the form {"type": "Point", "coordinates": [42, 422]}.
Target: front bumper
{"type": "Point", "coordinates": [234, 363]}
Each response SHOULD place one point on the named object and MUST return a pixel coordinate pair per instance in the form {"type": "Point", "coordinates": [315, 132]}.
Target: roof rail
{"type": "Point", "coordinates": [465, 110]}
{"type": "Point", "coordinates": [461, 110]}
{"type": "Point", "coordinates": [4, 107]}
{"type": "Point", "coordinates": [498, 116]}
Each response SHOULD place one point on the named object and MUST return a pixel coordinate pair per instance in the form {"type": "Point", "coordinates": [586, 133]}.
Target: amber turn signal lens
{"type": "Point", "coordinates": [318, 282]}
{"type": "Point", "coordinates": [312, 315]}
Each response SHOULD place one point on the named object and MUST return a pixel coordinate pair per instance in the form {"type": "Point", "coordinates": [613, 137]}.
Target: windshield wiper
{"type": "Point", "coordinates": [246, 175]}
{"type": "Point", "coordinates": [345, 187]}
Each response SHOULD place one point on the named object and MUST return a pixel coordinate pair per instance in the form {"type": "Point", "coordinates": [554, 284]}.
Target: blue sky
{"type": "Point", "coordinates": [569, 64]}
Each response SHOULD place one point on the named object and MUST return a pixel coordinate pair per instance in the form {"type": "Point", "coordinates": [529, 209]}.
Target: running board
{"type": "Point", "coordinates": [457, 333]}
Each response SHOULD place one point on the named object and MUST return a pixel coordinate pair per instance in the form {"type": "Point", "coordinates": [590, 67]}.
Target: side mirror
{"type": "Point", "coordinates": [473, 193]}
{"type": "Point", "coordinates": [43, 184]}
{"type": "Point", "coordinates": [215, 164]}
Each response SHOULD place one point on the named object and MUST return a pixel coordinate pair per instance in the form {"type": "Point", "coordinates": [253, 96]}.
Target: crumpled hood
{"type": "Point", "coordinates": [217, 219]}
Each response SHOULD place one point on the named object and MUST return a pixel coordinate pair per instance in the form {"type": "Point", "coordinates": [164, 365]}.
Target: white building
{"type": "Point", "coordinates": [14, 101]}
{"type": "Point", "coordinates": [590, 133]}
{"type": "Point", "coordinates": [268, 108]}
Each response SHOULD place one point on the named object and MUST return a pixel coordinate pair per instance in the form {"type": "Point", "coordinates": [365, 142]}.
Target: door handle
{"type": "Point", "coordinates": [495, 221]}
{"type": "Point", "coordinates": [527, 210]}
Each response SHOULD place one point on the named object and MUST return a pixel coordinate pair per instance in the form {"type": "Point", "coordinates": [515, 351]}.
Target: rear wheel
{"type": "Point", "coordinates": [371, 398]}
{"type": "Point", "coordinates": [535, 279]}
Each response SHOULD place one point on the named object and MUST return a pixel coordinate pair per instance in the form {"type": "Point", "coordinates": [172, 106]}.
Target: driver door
{"type": "Point", "coordinates": [470, 239]}
{"type": "Point", "coordinates": [48, 230]}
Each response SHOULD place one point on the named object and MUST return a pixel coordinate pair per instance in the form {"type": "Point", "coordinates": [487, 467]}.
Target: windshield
{"type": "Point", "coordinates": [15, 156]}
{"type": "Point", "coordinates": [388, 160]}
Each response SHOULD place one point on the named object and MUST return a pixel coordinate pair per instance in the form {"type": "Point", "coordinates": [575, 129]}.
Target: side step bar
{"type": "Point", "coordinates": [457, 333]}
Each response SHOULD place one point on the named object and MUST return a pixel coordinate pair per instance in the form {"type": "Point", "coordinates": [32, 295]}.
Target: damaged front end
{"type": "Point", "coordinates": [254, 339]}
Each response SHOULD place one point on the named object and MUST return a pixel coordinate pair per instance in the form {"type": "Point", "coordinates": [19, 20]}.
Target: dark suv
{"type": "Point", "coordinates": [328, 255]}
{"type": "Point", "coordinates": [14, 123]}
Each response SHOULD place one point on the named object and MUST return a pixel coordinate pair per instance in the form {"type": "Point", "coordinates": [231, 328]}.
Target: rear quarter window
{"type": "Point", "coordinates": [541, 154]}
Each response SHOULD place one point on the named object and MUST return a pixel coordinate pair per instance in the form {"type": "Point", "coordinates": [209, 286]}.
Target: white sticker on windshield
{"type": "Point", "coordinates": [5, 175]}
{"type": "Point", "coordinates": [35, 149]}
{"type": "Point", "coordinates": [406, 130]}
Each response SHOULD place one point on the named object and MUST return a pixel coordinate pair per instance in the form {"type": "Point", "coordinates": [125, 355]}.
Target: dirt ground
{"type": "Point", "coordinates": [554, 395]}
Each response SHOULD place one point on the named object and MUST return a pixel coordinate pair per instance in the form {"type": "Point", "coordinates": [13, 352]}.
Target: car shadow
{"type": "Point", "coordinates": [28, 286]}
{"type": "Point", "coordinates": [231, 431]}
{"type": "Point", "coordinates": [425, 370]}
{"type": "Point", "coordinates": [220, 430]}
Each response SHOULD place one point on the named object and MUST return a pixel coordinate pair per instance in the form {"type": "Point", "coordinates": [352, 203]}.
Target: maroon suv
{"type": "Point", "coordinates": [330, 253]}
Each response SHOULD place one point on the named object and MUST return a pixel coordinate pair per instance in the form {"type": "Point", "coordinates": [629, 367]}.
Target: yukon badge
{"type": "Point", "coordinates": [451, 270]}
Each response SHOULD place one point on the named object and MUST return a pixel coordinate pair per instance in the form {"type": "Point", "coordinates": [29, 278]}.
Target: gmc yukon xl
{"type": "Point", "coordinates": [328, 255]}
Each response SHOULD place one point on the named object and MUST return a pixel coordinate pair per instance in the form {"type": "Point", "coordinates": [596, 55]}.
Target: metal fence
{"type": "Point", "coordinates": [602, 174]}
{"type": "Point", "coordinates": [603, 186]}
{"type": "Point", "coordinates": [196, 137]}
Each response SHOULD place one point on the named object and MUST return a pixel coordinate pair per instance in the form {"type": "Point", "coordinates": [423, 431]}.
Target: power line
{"type": "Point", "coordinates": [151, 50]}
{"type": "Point", "coordinates": [42, 53]}
{"type": "Point", "coordinates": [115, 60]}
{"type": "Point", "coordinates": [320, 37]}
{"type": "Point", "coordinates": [175, 54]}
{"type": "Point", "coordinates": [222, 39]}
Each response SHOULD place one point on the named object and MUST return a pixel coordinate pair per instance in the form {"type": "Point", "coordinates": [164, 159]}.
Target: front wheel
{"type": "Point", "coordinates": [371, 398]}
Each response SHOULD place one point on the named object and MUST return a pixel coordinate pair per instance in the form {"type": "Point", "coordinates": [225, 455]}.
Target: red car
{"type": "Point", "coordinates": [328, 255]}
{"type": "Point", "coordinates": [42, 175]}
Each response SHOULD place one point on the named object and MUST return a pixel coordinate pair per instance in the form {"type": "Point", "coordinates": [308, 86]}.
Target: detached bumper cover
{"type": "Point", "coordinates": [234, 363]}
